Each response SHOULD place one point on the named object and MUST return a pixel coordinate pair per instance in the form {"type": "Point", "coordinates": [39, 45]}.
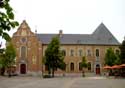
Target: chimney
{"type": "Point", "coordinates": [60, 33]}
{"type": "Point", "coordinates": [36, 31]}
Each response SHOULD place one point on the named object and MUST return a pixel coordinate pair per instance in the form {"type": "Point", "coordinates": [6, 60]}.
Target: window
{"type": "Point", "coordinates": [80, 52]}
{"type": "Point", "coordinates": [72, 66]}
{"type": "Point", "coordinates": [23, 40]}
{"type": "Point", "coordinates": [64, 52]}
{"type": "Point", "coordinates": [89, 65]}
{"type": "Point", "coordinates": [23, 52]}
{"type": "Point", "coordinates": [72, 52]}
{"type": "Point", "coordinates": [117, 52]}
{"type": "Point", "coordinates": [88, 52]}
{"type": "Point", "coordinates": [97, 66]}
{"type": "Point", "coordinates": [80, 66]}
{"type": "Point", "coordinates": [97, 52]}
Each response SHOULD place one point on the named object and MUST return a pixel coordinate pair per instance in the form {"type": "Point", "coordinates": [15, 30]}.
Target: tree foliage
{"type": "Point", "coordinates": [53, 58]}
{"type": "Point", "coordinates": [7, 59]}
{"type": "Point", "coordinates": [118, 60]}
{"type": "Point", "coordinates": [83, 65]}
{"type": "Point", "coordinates": [84, 62]}
{"type": "Point", "coordinates": [6, 19]}
{"type": "Point", "coordinates": [122, 54]}
{"type": "Point", "coordinates": [2, 56]}
{"type": "Point", "coordinates": [10, 54]}
{"type": "Point", "coordinates": [111, 58]}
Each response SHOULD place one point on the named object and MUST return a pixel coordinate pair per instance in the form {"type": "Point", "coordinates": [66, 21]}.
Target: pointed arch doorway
{"type": "Point", "coordinates": [22, 68]}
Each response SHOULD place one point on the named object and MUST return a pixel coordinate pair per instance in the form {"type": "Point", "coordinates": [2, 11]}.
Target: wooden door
{"type": "Point", "coordinates": [23, 68]}
{"type": "Point", "coordinates": [97, 69]}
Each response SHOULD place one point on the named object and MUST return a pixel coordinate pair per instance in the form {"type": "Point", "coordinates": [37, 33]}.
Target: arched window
{"type": "Point", "coordinates": [72, 66]}
{"type": "Point", "coordinates": [80, 52]}
{"type": "Point", "coordinates": [72, 52]}
{"type": "Point", "coordinates": [88, 52]}
{"type": "Point", "coordinates": [89, 65]}
{"type": "Point", "coordinates": [117, 52]}
{"type": "Point", "coordinates": [97, 52]}
{"type": "Point", "coordinates": [97, 66]}
{"type": "Point", "coordinates": [23, 52]}
{"type": "Point", "coordinates": [80, 66]}
{"type": "Point", "coordinates": [64, 52]}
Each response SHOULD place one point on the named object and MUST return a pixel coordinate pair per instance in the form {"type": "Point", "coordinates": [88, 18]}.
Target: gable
{"type": "Point", "coordinates": [23, 30]}
{"type": "Point", "coordinates": [103, 36]}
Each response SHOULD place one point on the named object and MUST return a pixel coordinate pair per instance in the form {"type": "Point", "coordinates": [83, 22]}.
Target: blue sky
{"type": "Point", "coordinates": [71, 16]}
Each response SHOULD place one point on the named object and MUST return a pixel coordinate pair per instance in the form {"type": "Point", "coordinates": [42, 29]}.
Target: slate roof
{"type": "Point", "coordinates": [101, 36]}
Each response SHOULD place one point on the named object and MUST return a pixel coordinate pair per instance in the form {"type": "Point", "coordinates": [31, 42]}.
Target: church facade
{"type": "Point", "coordinates": [30, 49]}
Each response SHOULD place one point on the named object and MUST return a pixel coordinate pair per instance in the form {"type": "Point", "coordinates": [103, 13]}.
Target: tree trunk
{"type": "Point", "coordinates": [9, 72]}
{"type": "Point", "coordinates": [53, 72]}
{"type": "Point", "coordinates": [49, 71]}
{"type": "Point", "coordinates": [83, 72]}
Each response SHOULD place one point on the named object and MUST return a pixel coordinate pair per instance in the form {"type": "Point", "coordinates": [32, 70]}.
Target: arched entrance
{"type": "Point", "coordinates": [72, 67]}
{"type": "Point", "coordinates": [22, 68]}
{"type": "Point", "coordinates": [97, 69]}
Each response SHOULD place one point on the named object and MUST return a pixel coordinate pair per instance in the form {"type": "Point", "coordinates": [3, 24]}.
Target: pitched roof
{"type": "Point", "coordinates": [101, 36]}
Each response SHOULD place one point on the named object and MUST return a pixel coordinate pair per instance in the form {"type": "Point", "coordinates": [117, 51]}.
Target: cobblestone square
{"type": "Point", "coordinates": [61, 82]}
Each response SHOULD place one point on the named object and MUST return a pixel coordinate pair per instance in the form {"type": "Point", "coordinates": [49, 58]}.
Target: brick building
{"type": "Point", "coordinates": [30, 48]}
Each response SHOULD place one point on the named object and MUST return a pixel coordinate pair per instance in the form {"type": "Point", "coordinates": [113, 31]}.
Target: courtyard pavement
{"type": "Point", "coordinates": [69, 81]}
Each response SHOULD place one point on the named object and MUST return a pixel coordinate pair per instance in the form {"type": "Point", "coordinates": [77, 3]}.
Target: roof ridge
{"type": "Point", "coordinates": [63, 34]}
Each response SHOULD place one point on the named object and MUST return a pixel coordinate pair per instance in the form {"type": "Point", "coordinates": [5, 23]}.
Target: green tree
{"type": "Point", "coordinates": [2, 61]}
{"type": "Point", "coordinates": [10, 53]}
{"type": "Point", "coordinates": [6, 19]}
{"type": "Point", "coordinates": [8, 58]}
{"type": "Point", "coordinates": [111, 58]}
{"type": "Point", "coordinates": [53, 58]}
{"type": "Point", "coordinates": [118, 60]}
{"type": "Point", "coordinates": [61, 64]}
{"type": "Point", "coordinates": [84, 65]}
{"type": "Point", "coordinates": [122, 53]}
